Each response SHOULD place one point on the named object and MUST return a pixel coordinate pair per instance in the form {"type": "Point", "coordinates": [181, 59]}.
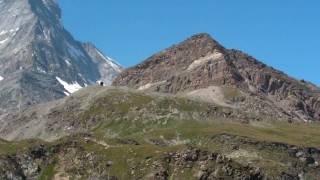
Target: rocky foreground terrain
{"type": "Point", "coordinates": [120, 133]}
{"type": "Point", "coordinates": [225, 157]}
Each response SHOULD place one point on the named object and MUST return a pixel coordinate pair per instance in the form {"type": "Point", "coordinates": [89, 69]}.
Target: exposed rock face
{"type": "Point", "coordinates": [299, 98]}
{"type": "Point", "coordinates": [108, 68]}
{"type": "Point", "coordinates": [39, 162]}
{"type": "Point", "coordinates": [201, 62]}
{"type": "Point", "coordinates": [35, 50]}
{"type": "Point", "coordinates": [211, 166]}
{"type": "Point", "coordinates": [193, 64]}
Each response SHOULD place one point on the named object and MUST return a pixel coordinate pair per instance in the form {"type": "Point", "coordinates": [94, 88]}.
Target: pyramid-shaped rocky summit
{"type": "Point", "coordinates": [202, 67]}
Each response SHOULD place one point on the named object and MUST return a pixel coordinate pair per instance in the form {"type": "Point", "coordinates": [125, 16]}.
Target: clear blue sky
{"type": "Point", "coordinates": [282, 33]}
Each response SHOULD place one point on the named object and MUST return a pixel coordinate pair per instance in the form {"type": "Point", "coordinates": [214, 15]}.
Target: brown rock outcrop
{"type": "Point", "coordinates": [200, 62]}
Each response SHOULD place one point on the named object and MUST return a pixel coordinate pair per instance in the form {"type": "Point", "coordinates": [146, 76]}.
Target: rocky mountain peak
{"type": "Point", "coordinates": [192, 64]}
{"type": "Point", "coordinates": [46, 10]}
{"type": "Point", "coordinates": [204, 39]}
{"type": "Point", "coordinates": [35, 46]}
{"type": "Point", "coordinates": [201, 66]}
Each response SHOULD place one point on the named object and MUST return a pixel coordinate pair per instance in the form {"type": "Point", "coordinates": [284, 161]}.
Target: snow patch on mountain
{"type": "Point", "coordinates": [12, 31]}
{"type": "Point", "coordinates": [3, 41]}
{"type": "Point", "coordinates": [39, 69]}
{"type": "Point", "coordinates": [68, 62]}
{"type": "Point", "coordinates": [70, 88]}
{"type": "Point", "coordinates": [7, 34]}
{"type": "Point", "coordinates": [3, 32]}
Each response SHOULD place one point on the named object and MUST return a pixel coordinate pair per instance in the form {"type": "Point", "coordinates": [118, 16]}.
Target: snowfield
{"type": "Point", "coordinates": [70, 88]}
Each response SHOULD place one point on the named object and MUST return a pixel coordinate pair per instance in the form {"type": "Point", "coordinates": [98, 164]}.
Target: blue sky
{"type": "Point", "coordinates": [282, 33]}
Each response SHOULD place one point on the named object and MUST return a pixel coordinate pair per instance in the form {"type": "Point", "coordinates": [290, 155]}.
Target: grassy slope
{"type": "Point", "coordinates": [118, 122]}
{"type": "Point", "coordinates": [184, 134]}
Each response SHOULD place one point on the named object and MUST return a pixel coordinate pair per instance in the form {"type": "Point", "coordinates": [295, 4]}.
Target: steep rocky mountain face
{"type": "Point", "coordinates": [39, 60]}
{"type": "Point", "coordinates": [107, 67]}
{"type": "Point", "coordinates": [202, 68]}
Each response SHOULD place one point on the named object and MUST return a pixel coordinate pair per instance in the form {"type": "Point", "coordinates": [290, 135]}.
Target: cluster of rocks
{"type": "Point", "coordinates": [206, 165]}
{"type": "Point", "coordinates": [304, 160]}
{"type": "Point", "coordinates": [26, 165]}
{"type": "Point", "coordinates": [311, 156]}
{"type": "Point", "coordinates": [70, 157]}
